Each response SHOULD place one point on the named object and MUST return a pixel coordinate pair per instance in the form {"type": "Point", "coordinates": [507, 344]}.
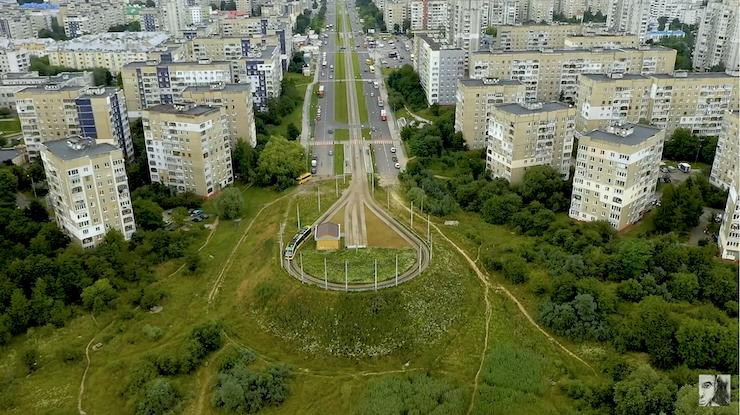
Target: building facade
{"type": "Point", "coordinates": [695, 101]}
{"type": "Point", "coordinates": [616, 174]}
{"type": "Point", "coordinates": [395, 12]}
{"type": "Point", "coordinates": [537, 36]}
{"type": "Point", "coordinates": [262, 69]}
{"type": "Point", "coordinates": [188, 147]}
{"type": "Point", "coordinates": [475, 99]}
{"type": "Point", "coordinates": [726, 166]}
{"type": "Point", "coordinates": [237, 100]}
{"type": "Point", "coordinates": [600, 41]}
{"type": "Point", "coordinates": [729, 232]}
{"type": "Point", "coordinates": [14, 60]}
{"type": "Point", "coordinates": [439, 69]}
{"type": "Point", "coordinates": [11, 83]}
{"type": "Point", "coordinates": [103, 117]}
{"type": "Point", "coordinates": [429, 14]}
{"type": "Point", "coordinates": [629, 16]}
{"type": "Point", "coordinates": [521, 136]}
{"type": "Point", "coordinates": [552, 75]}
{"type": "Point", "coordinates": [718, 38]}
{"type": "Point", "coordinates": [88, 189]}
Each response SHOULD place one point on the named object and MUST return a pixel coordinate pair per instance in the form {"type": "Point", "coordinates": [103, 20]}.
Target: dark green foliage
{"type": "Point", "coordinates": [70, 354]}
{"type": "Point", "coordinates": [684, 286]}
{"type": "Point", "coordinates": [159, 398]}
{"type": "Point", "coordinates": [280, 163]}
{"type": "Point", "coordinates": [420, 393]}
{"type": "Point", "coordinates": [230, 203]}
{"type": "Point", "coordinates": [302, 23]}
{"type": "Point", "coordinates": [545, 185]}
{"type": "Point", "coordinates": [293, 132]}
{"type": "Point", "coordinates": [102, 76]}
{"type": "Point", "coordinates": [151, 297]}
{"type": "Point", "coordinates": [500, 209]}
{"type": "Point", "coordinates": [712, 196]}
{"type": "Point", "coordinates": [533, 220]}
{"type": "Point", "coordinates": [680, 209]}
{"type": "Point", "coordinates": [423, 184]}
{"type": "Point", "coordinates": [166, 198]}
{"type": "Point", "coordinates": [708, 344]}
{"type": "Point", "coordinates": [244, 159]}
{"type": "Point", "coordinates": [148, 214]}
{"type": "Point", "coordinates": [406, 82]}
{"type": "Point", "coordinates": [234, 356]}
{"type": "Point", "coordinates": [278, 107]}
{"type": "Point", "coordinates": [578, 319]}
{"type": "Point", "coordinates": [29, 359]}
{"type": "Point", "coordinates": [130, 27]}
{"type": "Point", "coordinates": [644, 392]}
{"type": "Point", "coordinates": [98, 296]}
{"type": "Point", "coordinates": [372, 16]}
{"type": "Point", "coordinates": [515, 269]}
{"type": "Point", "coordinates": [194, 263]}
{"type": "Point", "coordinates": [650, 327]}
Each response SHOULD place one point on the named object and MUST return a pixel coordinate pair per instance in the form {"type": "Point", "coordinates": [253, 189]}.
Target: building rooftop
{"type": "Point", "coordinates": [492, 82]}
{"type": "Point", "coordinates": [8, 154]}
{"type": "Point", "coordinates": [180, 109]}
{"type": "Point", "coordinates": [65, 150]}
{"type": "Point", "coordinates": [224, 87]}
{"type": "Point", "coordinates": [113, 42]}
{"type": "Point", "coordinates": [606, 77]}
{"type": "Point", "coordinates": [50, 88]}
{"type": "Point", "coordinates": [434, 44]}
{"type": "Point", "coordinates": [327, 230]}
{"type": "Point", "coordinates": [699, 75]}
{"type": "Point", "coordinates": [622, 135]}
{"type": "Point", "coordinates": [572, 51]}
{"type": "Point", "coordinates": [532, 108]}
{"type": "Point", "coordinates": [150, 63]}
{"type": "Point", "coordinates": [92, 92]}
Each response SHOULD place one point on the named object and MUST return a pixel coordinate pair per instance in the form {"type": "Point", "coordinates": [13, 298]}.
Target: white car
{"type": "Point", "coordinates": [398, 166]}
{"type": "Point", "coordinates": [372, 94]}
{"type": "Point", "coordinates": [393, 149]}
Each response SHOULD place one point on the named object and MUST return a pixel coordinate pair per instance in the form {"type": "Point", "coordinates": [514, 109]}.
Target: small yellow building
{"type": "Point", "coordinates": [327, 236]}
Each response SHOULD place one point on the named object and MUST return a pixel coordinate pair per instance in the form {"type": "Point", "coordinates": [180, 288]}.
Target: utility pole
{"type": "Point", "coordinates": [302, 267]}
{"type": "Point", "coordinates": [346, 278]}
{"type": "Point", "coordinates": [336, 186]}
{"type": "Point", "coordinates": [428, 227]}
{"type": "Point", "coordinates": [326, 281]}
{"type": "Point", "coordinates": [318, 191]}
{"type": "Point", "coordinates": [422, 202]}
{"type": "Point", "coordinates": [412, 215]}
{"type": "Point", "coordinates": [396, 270]}
{"type": "Point", "coordinates": [376, 274]}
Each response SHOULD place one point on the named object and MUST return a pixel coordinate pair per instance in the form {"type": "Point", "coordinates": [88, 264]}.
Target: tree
{"type": "Point", "coordinates": [293, 132]}
{"type": "Point", "coordinates": [707, 344]}
{"type": "Point", "coordinates": [688, 404]}
{"type": "Point", "coordinates": [244, 160]}
{"type": "Point", "coordinates": [515, 269]}
{"type": "Point", "coordinates": [650, 327]}
{"type": "Point", "coordinates": [720, 67]}
{"type": "Point", "coordinates": [148, 214]}
{"type": "Point", "coordinates": [644, 392]}
{"type": "Point", "coordinates": [160, 398]}
{"type": "Point", "coordinates": [682, 146]}
{"type": "Point", "coordinates": [684, 286]}
{"type": "Point", "coordinates": [194, 263]}
{"type": "Point", "coordinates": [102, 77]}
{"type": "Point", "coordinates": [98, 296]}
{"type": "Point", "coordinates": [491, 31]}
{"type": "Point", "coordinates": [680, 208]}
{"type": "Point", "coordinates": [5, 112]}
{"type": "Point", "coordinates": [280, 163]}
{"type": "Point", "coordinates": [36, 212]}
{"type": "Point", "coordinates": [8, 188]}
{"type": "Point", "coordinates": [230, 203]}
{"type": "Point", "coordinates": [543, 183]}
{"type": "Point", "coordinates": [633, 257]}
{"type": "Point", "coordinates": [499, 209]}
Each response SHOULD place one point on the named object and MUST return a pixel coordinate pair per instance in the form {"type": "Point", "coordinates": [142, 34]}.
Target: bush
{"type": "Point", "coordinates": [70, 354]}
{"type": "Point", "coordinates": [153, 332]}
{"type": "Point", "coordinates": [230, 203]}
{"type": "Point", "coordinates": [151, 297]}
{"type": "Point", "coordinates": [29, 359]}
{"type": "Point", "coordinates": [515, 269]}
{"type": "Point", "coordinates": [240, 390]}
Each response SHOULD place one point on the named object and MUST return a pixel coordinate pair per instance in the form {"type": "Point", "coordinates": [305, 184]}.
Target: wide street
{"type": "Point", "coordinates": [382, 138]}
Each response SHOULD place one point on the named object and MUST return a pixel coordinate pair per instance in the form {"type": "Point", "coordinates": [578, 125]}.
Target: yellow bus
{"type": "Point", "coordinates": [372, 69]}
{"type": "Point", "coordinates": [303, 178]}
{"type": "Point", "coordinates": [368, 61]}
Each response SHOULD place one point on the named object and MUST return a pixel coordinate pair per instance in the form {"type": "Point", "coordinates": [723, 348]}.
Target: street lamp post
{"type": "Point", "coordinates": [33, 185]}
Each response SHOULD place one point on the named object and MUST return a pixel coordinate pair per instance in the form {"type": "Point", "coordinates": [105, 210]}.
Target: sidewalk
{"type": "Point", "coordinates": [416, 117]}
{"type": "Point", "coordinates": [306, 121]}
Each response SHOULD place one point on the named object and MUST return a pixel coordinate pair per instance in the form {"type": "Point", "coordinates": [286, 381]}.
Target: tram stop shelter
{"type": "Point", "coordinates": [327, 236]}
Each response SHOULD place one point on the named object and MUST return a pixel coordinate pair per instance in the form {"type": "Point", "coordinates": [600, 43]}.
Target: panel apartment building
{"type": "Point", "coordinates": [616, 174]}
{"type": "Point", "coordinates": [475, 100]}
{"type": "Point", "coordinates": [429, 14]}
{"type": "Point", "coordinates": [548, 73]}
{"type": "Point", "coordinates": [52, 112]}
{"type": "Point", "coordinates": [150, 83]}
{"type": "Point", "coordinates": [439, 69]}
{"type": "Point", "coordinates": [11, 83]}
{"type": "Point", "coordinates": [237, 100]}
{"type": "Point", "coordinates": [521, 136]}
{"type": "Point", "coordinates": [188, 147]}
{"type": "Point", "coordinates": [537, 36]}
{"type": "Point", "coordinates": [726, 166]}
{"type": "Point", "coordinates": [88, 189]}
{"type": "Point", "coordinates": [718, 37]}
{"type": "Point", "coordinates": [696, 101]}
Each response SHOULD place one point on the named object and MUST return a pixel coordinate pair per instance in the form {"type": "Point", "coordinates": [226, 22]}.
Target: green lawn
{"type": "Point", "coordinates": [356, 66]}
{"type": "Point", "coordinates": [340, 40]}
{"type": "Point", "coordinates": [704, 167]}
{"type": "Point", "coordinates": [341, 134]}
{"type": "Point", "coordinates": [338, 158]}
{"type": "Point", "coordinates": [297, 115]}
{"type": "Point", "coordinates": [10, 125]}
{"type": "Point", "coordinates": [366, 133]}
{"type": "Point", "coordinates": [402, 113]}
{"type": "Point", "coordinates": [427, 113]}
{"type": "Point", "coordinates": [340, 103]}
{"type": "Point", "coordinates": [360, 263]}
{"type": "Point", "coordinates": [386, 71]}
{"type": "Point", "coordinates": [339, 66]}
{"type": "Point", "coordinates": [361, 103]}
{"type": "Point", "coordinates": [372, 157]}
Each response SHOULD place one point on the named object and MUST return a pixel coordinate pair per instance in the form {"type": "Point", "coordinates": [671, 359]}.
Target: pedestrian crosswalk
{"type": "Point", "coordinates": [381, 142]}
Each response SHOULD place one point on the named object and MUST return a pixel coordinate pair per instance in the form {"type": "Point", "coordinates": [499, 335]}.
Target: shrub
{"type": "Point", "coordinates": [70, 354]}
{"type": "Point", "coordinates": [153, 332]}
{"type": "Point", "coordinates": [240, 390]}
{"type": "Point", "coordinates": [151, 297]}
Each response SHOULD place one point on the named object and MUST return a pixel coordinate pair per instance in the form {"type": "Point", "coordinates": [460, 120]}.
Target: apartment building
{"type": "Point", "coordinates": [600, 41]}
{"type": "Point", "coordinates": [237, 100]}
{"type": "Point", "coordinates": [174, 16]}
{"type": "Point", "coordinates": [687, 11]}
{"type": "Point", "coordinates": [439, 68]}
{"type": "Point", "coordinates": [262, 69]}
{"type": "Point", "coordinates": [52, 112]}
{"type": "Point", "coordinates": [503, 13]}
{"type": "Point", "coordinates": [89, 18]}
{"type": "Point", "coordinates": [726, 166]}
{"type": "Point", "coordinates": [188, 147]}
{"type": "Point", "coordinates": [552, 75]}
{"type": "Point", "coordinates": [475, 100]}
{"type": "Point", "coordinates": [729, 231]}
{"type": "Point", "coordinates": [429, 14]}
{"type": "Point", "coordinates": [466, 24]}
{"type": "Point", "coordinates": [11, 83]}
{"type": "Point", "coordinates": [395, 12]}
{"type": "Point", "coordinates": [106, 50]}
{"type": "Point", "coordinates": [88, 189]}
{"type": "Point", "coordinates": [616, 174]}
{"type": "Point", "coordinates": [629, 16]}
{"type": "Point", "coordinates": [14, 60]}
{"type": "Point", "coordinates": [150, 83]}
{"type": "Point", "coordinates": [718, 38]}
{"type": "Point", "coordinates": [571, 8]}
{"type": "Point", "coordinates": [538, 36]}
{"type": "Point", "coordinates": [150, 20]}
{"type": "Point", "coordinates": [695, 101]}
{"type": "Point", "coordinates": [521, 136]}
{"type": "Point", "coordinates": [224, 48]}
{"type": "Point", "coordinates": [539, 10]}
{"type": "Point", "coordinates": [261, 31]}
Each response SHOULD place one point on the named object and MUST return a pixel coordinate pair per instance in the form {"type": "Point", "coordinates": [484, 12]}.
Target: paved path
{"type": "Point", "coordinates": [416, 117]}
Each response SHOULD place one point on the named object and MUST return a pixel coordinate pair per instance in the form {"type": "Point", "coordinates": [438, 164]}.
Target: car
{"type": "Point", "coordinates": [393, 149]}
{"type": "Point", "coordinates": [313, 170]}
{"type": "Point", "coordinates": [671, 169]}
{"type": "Point", "coordinates": [331, 152]}
{"type": "Point", "coordinates": [395, 159]}
{"type": "Point", "coordinates": [323, 73]}
{"type": "Point", "coordinates": [372, 94]}
{"type": "Point", "coordinates": [330, 131]}
{"type": "Point", "coordinates": [197, 219]}
{"type": "Point", "coordinates": [664, 169]}
{"type": "Point", "coordinates": [197, 212]}
{"type": "Point", "coordinates": [364, 70]}
{"type": "Point", "coordinates": [398, 166]}
{"type": "Point", "coordinates": [718, 217]}
{"type": "Point", "coordinates": [331, 76]}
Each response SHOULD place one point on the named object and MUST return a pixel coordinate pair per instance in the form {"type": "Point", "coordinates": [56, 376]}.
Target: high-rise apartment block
{"type": "Point", "coordinates": [24, 21]}
{"type": "Point", "coordinates": [439, 69]}
{"type": "Point", "coordinates": [263, 31]}
{"type": "Point", "coordinates": [150, 20]}
{"type": "Point", "coordinates": [188, 147]}
{"type": "Point", "coordinates": [429, 14]}
{"type": "Point", "coordinates": [11, 83]}
{"type": "Point", "coordinates": [521, 136]}
{"type": "Point", "coordinates": [88, 189]}
{"type": "Point", "coordinates": [106, 50]}
{"type": "Point", "coordinates": [726, 166]}
{"type": "Point", "coordinates": [538, 36]}
{"type": "Point", "coordinates": [150, 83]}
{"type": "Point", "coordinates": [616, 174]}
{"type": "Point", "coordinates": [475, 100]}
{"type": "Point", "coordinates": [503, 12]}
{"type": "Point", "coordinates": [552, 75]}
{"type": "Point", "coordinates": [52, 112]}
{"type": "Point", "coordinates": [88, 18]}
{"type": "Point", "coordinates": [237, 100]}
{"type": "Point", "coordinates": [629, 16]}
{"type": "Point", "coordinates": [395, 12]}
{"type": "Point", "coordinates": [729, 230]}
{"type": "Point", "coordinates": [718, 38]}
{"type": "Point", "coordinates": [601, 41]}
{"type": "Point", "coordinates": [466, 24]}
{"type": "Point", "coordinates": [263, 70]}
{"type": "Point", "coordinates": [14, 60]}
{"type": "Point", "coordinates": [695, 101]}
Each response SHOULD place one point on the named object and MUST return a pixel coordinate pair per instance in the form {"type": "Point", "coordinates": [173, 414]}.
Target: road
{"type": "Point", "coordinates": [358, 196]}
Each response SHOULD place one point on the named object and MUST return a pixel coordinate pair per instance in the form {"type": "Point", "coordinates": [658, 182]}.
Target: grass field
{"type": "Point", "coordinates": [361, 103]}
{"type": "Point", "coordinates": [360, 263]}
{"type": "Point", "coordinates": [338, 158]}
{"type": "Point", "coordinates": [372, 156]}
{"type": "Point", "coordinates": [381, 235]}
{"type": "Point", "coordinates": [356, 67]}
{"type": "Point", "coordinates": [297, 115]}
{"type": "Point", "coordinates": [339, 66]}
{"type": "Point", "coordinates": [341, 134]}
{"type": "Point", "coordinates": [366, 133]}
{"type": "Point", "coordinates": [10, 126]}
{"type": "Point", "coordinates": [340, 103]}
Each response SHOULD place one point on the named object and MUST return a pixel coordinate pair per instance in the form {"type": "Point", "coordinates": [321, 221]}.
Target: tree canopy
{"type": "Point", "coordinates": [280, 163]}
{"type": "Point", "coordinates": [230, 203]}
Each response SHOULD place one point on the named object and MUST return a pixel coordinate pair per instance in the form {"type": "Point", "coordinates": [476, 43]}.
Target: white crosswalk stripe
{"type": "Point", "coordinates": [381, 142]}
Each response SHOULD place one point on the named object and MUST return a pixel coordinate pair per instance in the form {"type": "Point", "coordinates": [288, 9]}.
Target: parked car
{"type": "Point", "coordinates": [398, 166]}
{"type": "Point", "coordinates": [197, 212]}
{"type": "Point", "coordinates": [393, 149]}
{"type": "Point", "coordinates": [331, 152]}
{"type": "Point", "coordinates": [664, 170]}
{"type": "Point", "coordinates": [313, 170]}
{"type": "Point", "coordinates": [198, 219]}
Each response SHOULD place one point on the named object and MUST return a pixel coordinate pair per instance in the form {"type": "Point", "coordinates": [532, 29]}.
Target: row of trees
{"type": "Point", "coordinates": [303, 21]}
{"type": "Point", "coordinates": [102, 75]}
{"type": "Point", "coordinates": [405, 89]}
{"type": "Point", "coordinates": [685, 146]}
{"type": "Point", "coordinates": [134, 26]}
{"type": "Point", "coordinates": [371, 15]}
